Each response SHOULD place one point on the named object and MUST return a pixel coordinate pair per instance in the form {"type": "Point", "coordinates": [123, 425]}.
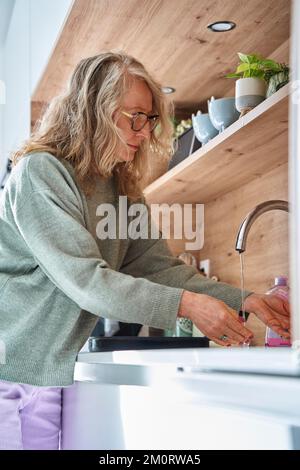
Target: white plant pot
{"type": "Point", "coordinates": [249, 92]}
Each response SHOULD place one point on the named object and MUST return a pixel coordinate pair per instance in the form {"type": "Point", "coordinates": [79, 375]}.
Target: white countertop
{"type": "Point", "coordinates": [273, 361]}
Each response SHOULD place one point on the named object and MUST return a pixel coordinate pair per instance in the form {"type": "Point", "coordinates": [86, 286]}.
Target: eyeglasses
{"type": "Point", "coordinates": [139, 120]}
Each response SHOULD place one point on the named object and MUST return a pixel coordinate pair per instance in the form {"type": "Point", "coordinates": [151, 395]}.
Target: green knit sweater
{"type": "Point", "coordinates": [57, 277]}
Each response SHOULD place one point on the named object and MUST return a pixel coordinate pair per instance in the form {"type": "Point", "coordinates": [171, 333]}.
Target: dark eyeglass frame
{"type": "Point", "coordinates": [153, 120]}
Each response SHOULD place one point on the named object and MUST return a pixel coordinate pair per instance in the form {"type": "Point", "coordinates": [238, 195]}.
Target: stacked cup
{"type": "Point", "coordinates": [203, 128]}
{"type": "Point", "coordinates": [222, 112]}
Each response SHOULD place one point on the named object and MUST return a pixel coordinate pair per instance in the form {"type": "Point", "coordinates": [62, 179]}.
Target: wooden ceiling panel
{"type": "Point", "coordinates": [171, 38]}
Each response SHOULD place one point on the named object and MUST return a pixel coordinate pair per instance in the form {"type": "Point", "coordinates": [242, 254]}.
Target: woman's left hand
{"type": "Point", "coordinates": [271, 310]}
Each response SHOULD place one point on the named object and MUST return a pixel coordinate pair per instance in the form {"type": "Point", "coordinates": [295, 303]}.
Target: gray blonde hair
{"type": "Point", "coordinates": [78, 125]}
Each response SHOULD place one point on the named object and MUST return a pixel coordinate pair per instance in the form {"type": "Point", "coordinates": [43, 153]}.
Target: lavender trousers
{"type": "Point", "coordinates": [30, 417]}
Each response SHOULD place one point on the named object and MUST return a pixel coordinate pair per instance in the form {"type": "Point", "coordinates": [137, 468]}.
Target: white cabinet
{"type": "Point", "coordinates": [183, 399]}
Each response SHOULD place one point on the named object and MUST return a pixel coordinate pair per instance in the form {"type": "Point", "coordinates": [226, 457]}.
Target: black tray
{"type": "Point", "coordinates": [123, 343]}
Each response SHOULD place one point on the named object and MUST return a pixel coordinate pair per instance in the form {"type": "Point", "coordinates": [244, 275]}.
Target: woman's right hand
{"type": "Point", "coordinates": [214, 319]}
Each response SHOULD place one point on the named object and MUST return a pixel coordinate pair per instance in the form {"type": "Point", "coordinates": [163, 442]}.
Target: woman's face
{"type": "Point", "coordinates": [137, 99]}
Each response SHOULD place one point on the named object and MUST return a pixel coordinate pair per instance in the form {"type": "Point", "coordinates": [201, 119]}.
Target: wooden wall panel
{"type": "Point", "coordinates": [266, 253]}
{"type": "Point", "coordinates": [267, 247]}
{"type": "Point", "coordinates": [37, 110]}
{"type": "Point", "coordinates": [171, 38]}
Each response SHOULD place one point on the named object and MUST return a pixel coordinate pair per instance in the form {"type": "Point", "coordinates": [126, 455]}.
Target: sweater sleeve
{"type": "Point", "coordinates": [153, 260]}
{"type": "Point", "coordinates": [48, 214]}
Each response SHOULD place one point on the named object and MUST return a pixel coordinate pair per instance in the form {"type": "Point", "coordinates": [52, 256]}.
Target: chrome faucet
{"type": "Point", "coordinates": [241, 240]}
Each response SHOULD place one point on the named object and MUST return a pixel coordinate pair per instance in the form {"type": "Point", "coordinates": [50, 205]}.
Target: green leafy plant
{"type": "Point", "coordinates": [252, 65]}
{"type": "Point", "coordinates": [180, 127]}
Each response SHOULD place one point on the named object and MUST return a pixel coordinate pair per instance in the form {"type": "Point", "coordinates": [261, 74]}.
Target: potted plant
{"type": "Point", "coordinates": [181, 126]}
{"type": "Point", "coordinates": [276, 75]}
{"type": "Point", "coordinates": [254, 73]}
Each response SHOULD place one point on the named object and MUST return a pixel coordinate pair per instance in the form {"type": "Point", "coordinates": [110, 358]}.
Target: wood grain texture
{"type": "Point", "coordinates": [266, 254]}
{"type": "Point", "coordinates": [267, 245]}
{"type": "Point", "coordinates": [247, 149]}
{"type": "Point", "coordinates": [37, 110]}
{"type": "Point", "coordinates": [171, 38]}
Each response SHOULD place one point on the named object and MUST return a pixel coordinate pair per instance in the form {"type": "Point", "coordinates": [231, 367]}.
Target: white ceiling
{"type": "Point", "coordinates": [6, 8]}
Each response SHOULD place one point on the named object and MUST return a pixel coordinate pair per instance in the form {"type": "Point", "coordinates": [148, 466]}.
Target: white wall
{"type": "Point", "coordinates": [17, 78]}
{"type": "Point", "coordinates": [6, 9]}
{"type": "Point", "coordinates": [46, 20]}
{"type": "Point", "coordinates": [34, 28]}
{"type": "Point", "coordinates": [2, 104]}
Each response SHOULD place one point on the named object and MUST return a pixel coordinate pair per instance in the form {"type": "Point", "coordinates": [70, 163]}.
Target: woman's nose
{"type": "Point", "coordinates": [145, 132]}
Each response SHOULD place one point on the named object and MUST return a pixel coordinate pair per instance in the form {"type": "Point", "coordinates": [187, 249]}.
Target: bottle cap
{"type": "Point", "coordinates": [281, 281]}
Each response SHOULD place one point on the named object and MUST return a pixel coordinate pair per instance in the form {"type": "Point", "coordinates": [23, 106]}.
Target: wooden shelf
{"type": "Point", "coordinates": [172, 41]}
{"type": "Point", "coordinates": [248, 149]}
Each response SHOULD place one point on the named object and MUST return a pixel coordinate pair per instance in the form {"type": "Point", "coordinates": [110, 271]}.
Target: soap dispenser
{"type": "Point", "coordinates": [279, 289]}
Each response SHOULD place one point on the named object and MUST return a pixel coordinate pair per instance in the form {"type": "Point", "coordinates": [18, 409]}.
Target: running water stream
{"type": "Point", "coordinates": [243, 317]}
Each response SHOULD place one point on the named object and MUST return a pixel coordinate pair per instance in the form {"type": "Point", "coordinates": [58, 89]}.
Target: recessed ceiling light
{"type": "Point", "coordinates": [168, 89]}
{"type": "Point", "coordinates": [221, 26]}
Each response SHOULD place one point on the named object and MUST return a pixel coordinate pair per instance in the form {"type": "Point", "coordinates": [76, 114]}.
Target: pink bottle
{"type": "Point", "coordinates": [280, 289]}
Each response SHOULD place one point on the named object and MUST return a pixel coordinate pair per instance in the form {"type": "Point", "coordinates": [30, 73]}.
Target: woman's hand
{"type": "Point", "coordinates": [271, 310]}
{"type": "Point", "coordinates": [214, 319]}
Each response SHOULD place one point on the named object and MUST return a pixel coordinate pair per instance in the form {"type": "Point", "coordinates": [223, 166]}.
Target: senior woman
{"type": "Point", "coordinates": [58, 276]}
